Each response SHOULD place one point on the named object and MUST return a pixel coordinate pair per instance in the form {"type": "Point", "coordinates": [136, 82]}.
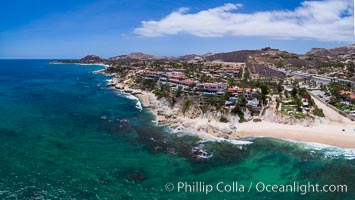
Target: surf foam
{"type": "Point", "coordinates": [328, 150]}
{"type": "Point", "coordinates": [133, 98]}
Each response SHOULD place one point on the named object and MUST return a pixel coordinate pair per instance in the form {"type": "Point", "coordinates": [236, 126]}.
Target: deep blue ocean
{"type": "Point", "coordinates": [65, 135]}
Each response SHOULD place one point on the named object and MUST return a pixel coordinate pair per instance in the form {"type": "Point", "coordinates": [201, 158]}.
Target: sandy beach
{"type": "Point", "coordinates": [339, 131]}
{"type": "Point", "coordinates": [330, 134]}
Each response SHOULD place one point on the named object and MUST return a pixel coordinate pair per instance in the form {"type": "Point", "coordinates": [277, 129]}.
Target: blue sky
{"type": "Point", "coordinates": [73, 29]}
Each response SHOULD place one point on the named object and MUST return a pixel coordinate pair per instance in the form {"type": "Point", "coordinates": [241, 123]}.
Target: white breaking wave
{"type": "Point", "coordinates": [132, 97]}
{"type": "Point", "coordinates": [328, 150]}
{"type": "Point", "coordinates": [139, 105]}
{"type": "Point", "coordinates": [235, 142]}
{"type": "Point", "coordinates": [210, 138]}
{"type": "Point", "coordinates": [331, 151]}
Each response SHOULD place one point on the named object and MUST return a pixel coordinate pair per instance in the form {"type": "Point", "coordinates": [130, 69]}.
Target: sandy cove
{"type": "Point", "coordinates": [339, 132]}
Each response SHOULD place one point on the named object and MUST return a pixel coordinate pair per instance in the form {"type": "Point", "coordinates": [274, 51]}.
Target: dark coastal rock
{"type": "Point", "coordinates": [104, 180]}
{"type": "Point", "coordinates": [8, 133]}
{"type": "Point", "coordinates": [172, 151]}
{"type": "Point", "coordinates": [137, 176]}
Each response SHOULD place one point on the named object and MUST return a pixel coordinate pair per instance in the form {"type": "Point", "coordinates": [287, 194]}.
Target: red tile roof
{"type": "Point", "coordinates": [231, 90]}
{"type": "Point", "coordinates": [247, 89]}
{"type": "Point", "coordinates": [188, 81]}
{"type": "Point", "coordinates": [351, 94]}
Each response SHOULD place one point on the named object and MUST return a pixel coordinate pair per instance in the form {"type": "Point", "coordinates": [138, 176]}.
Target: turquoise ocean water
{"type": "Point", "coordinates": [65, 135]}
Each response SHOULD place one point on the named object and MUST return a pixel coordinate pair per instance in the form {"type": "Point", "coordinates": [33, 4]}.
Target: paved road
{"type": "Point", "coordinates": [331, 114]}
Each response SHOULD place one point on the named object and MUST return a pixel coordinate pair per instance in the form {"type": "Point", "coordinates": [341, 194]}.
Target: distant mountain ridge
{"type": "Point", "coordinates": [260, 63]}
{"type": "Point", "coordinates": [135, 56]}
{"type": "Point", "coordinates": [236, 56]}
{"type": "Point", "coordinates": [345, 51]}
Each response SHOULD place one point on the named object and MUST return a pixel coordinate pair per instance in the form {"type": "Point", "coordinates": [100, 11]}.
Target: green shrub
{"type": "Point", "coordinates": [186, 106]}
{"type": "Point", "coordinates": [223, 119]}
{"type": "Point", "coordinates": [318, 112]}
{"type": "Point", "coordinates": [256, 120]}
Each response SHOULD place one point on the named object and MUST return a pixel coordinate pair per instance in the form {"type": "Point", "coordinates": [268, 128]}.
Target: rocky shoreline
{"type": "Point", "coordinates": [206, 126]}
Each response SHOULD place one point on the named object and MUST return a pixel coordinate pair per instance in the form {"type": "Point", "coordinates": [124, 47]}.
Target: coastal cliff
{"type": "Point", "coordinates": [213, 121]}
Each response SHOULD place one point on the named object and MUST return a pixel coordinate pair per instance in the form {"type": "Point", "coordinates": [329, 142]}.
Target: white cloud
{"type": "Point", "coordinates": [328, 20]}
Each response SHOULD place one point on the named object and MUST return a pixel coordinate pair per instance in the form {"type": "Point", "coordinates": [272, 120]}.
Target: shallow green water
{"type": "Point", "coordinates": [55, 144]}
